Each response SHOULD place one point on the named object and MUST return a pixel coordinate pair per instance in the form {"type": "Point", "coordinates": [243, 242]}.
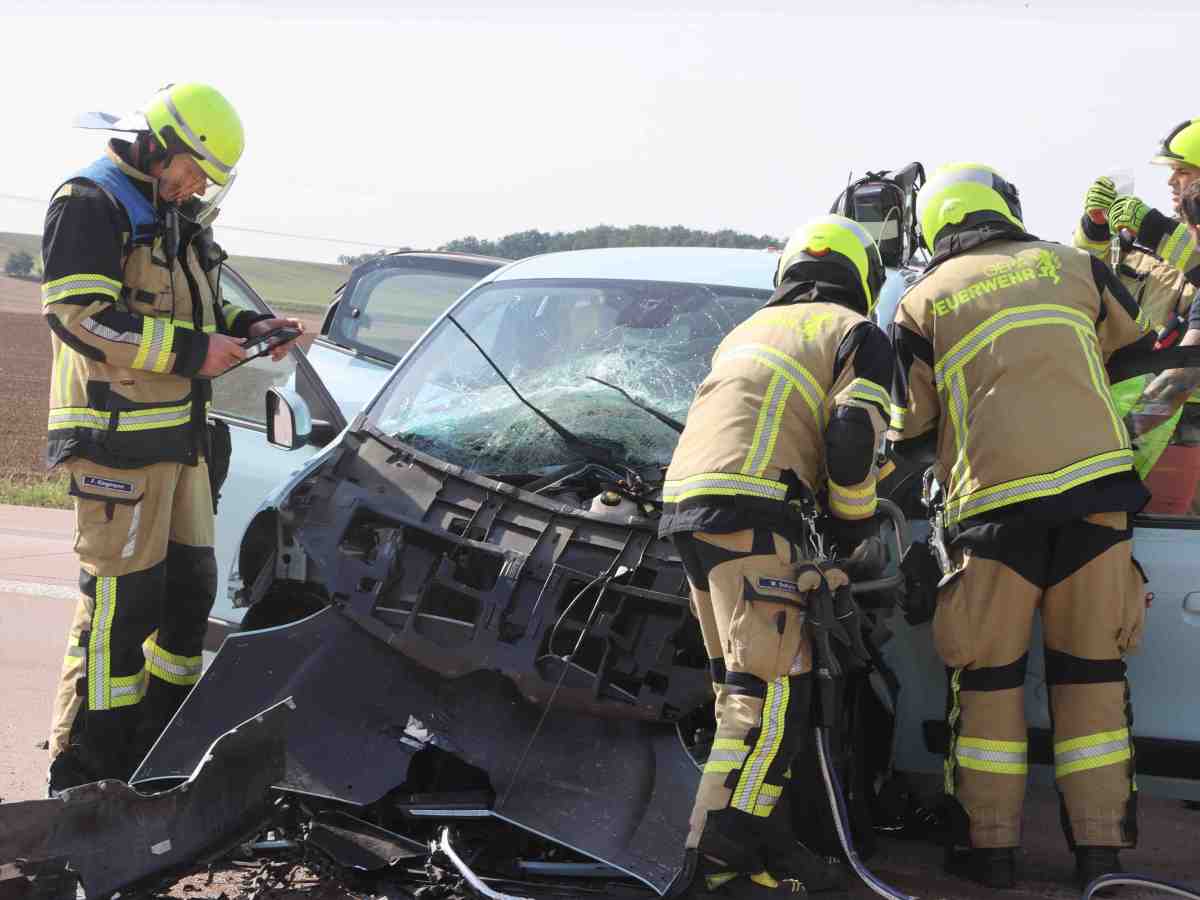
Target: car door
{"type": "Point", "coordinates": [239, 400]}
{"type": "Point", "coordinates": [1162, 673]}
{"type": "Point", "coordinates": [387, 304]}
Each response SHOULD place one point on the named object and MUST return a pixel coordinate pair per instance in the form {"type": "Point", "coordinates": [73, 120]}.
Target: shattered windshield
{"type": "Point", "coordinates": [653, 339]}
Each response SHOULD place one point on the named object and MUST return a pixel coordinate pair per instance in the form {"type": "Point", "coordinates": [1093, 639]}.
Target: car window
{"type": "Point", "coordinates": [552, 339]}
{"type": "Point", "coordinates": [387, 307]}
{"type": "Point", "coordinates": [241, 394]}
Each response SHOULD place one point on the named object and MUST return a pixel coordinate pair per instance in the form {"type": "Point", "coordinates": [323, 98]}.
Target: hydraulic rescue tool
{"type": "Point", "coordinates": [835, 625]}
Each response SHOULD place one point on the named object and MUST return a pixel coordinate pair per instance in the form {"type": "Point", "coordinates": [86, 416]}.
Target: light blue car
{"type": "Point", "coordinates": [463, 599]}
{"type": "Point", "coordinates": [432, 372]}
{"type": "Point", "coordinates": [386, 304]}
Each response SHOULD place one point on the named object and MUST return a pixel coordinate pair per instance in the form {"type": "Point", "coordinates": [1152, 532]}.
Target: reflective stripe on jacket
{"type": "Point", "coordinates": [1161, 290]}
{"type": "Point", "coordinates": [1002, 349]}
{"type": "Point", "coordinates": [126, 350]}
{"type": "Point", "coordinates": [758, 421]}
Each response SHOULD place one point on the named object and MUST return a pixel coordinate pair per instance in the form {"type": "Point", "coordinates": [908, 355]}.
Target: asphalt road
{"type": "Point", "coordinates": [37, 576]}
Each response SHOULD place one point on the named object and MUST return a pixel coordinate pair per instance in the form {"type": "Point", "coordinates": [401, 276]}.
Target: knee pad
{"type": "Point", "coordinates": [849, 445]}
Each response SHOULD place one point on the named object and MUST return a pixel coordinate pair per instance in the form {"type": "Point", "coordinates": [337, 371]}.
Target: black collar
{"type": "Point", "coordinates": [964, 238]}
{"type": "Point", "coordinates": [816, 292]}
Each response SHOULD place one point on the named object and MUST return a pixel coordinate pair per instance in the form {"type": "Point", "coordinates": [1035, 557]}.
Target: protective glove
{"type": "Point", "coordinates": [846, 534]}
{"type": "Point", "coordinates": [1099, 197]}
{"type": "Point", "coordinates": [868, 560]}
{"type": "Point", "coordinates": [1126, 214]}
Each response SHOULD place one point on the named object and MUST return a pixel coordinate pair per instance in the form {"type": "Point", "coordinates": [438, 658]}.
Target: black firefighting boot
{"type": "Point", "coordinates": [746, 845]}
{"type": "Point", "coordinates": [100, 750]}
{"type": "Point", "coordinates": [787, 857]}
{"type": "Point", "coordinates": [1092, 862]}
{"type": "Point", "coordinates": [993, 867]}
{"type": "Point", "coordinates": [703, 877]}
{"type": "Point", "coordinates": [67, 770]}
{"type": "Point", "coordinates": [816, 873]}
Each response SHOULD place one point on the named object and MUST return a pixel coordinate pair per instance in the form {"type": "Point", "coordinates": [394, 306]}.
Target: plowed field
{"type": "Point", "coordinates": [24, 379]}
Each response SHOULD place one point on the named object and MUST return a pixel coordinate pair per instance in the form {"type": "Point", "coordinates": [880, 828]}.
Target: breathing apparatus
{"type": "Point", "coordinates": [884, 203]}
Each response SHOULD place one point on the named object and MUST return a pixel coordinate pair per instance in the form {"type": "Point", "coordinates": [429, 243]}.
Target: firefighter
{"type": "Point", "coordinates": [795, 402]}
{"type": "Point", "coordinates": [1167, 238]}
{"type": "Point", "coordinates": [138, 326]}
{"type": "Point", "coordinates": [1172, 242]}
{"type": "Point", "coordinates": [1000, 350]}
{"type": "Point", "coordinates": [1164, 297]}
{"type": "Point", "coordinates": [1161, 290]}
{"type": "Point", "coordinates": [1160, 278]}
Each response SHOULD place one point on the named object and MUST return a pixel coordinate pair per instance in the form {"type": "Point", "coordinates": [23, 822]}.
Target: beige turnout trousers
{"type": "Point", "coordinates": [752, 608]}
{"type": "Point", "coordinates": [1090, 593]}
{"type": "Point", "coordinates": [144, 539]}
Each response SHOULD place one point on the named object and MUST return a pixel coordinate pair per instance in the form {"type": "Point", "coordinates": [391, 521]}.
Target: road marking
{"type": "Point", "coordinates": [39, 589]}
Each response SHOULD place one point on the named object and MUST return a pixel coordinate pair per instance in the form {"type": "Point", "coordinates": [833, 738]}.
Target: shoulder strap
{"type": "Point", "coordinates": [107, 176]}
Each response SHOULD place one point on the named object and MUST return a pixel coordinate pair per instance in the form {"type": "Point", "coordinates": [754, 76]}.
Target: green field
{"type": "Point", "coordinates": [288, 284]}
{"type": "Point", "coordinates": [35, 490]}
{"type": "Point", "coordinates": [284, 283]}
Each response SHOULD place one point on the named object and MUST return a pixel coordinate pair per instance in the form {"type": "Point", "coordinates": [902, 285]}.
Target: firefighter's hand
{"type": "Point", "coordinates": [1126, 214]}
{"type": "Point", "coordinates": [223, 352]}
{"type": "Point", "coordinates": [1099, 197]}
{"type": "Point", "coordinates": [868, 560]}
{"type": "Point", "coordinates": [279, 351]}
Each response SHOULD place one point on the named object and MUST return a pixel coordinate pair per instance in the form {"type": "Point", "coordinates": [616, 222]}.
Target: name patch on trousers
{"type": "Point", "coordinates": [107, 484]}
{"type": "Point", "coordinates": [778, 584]}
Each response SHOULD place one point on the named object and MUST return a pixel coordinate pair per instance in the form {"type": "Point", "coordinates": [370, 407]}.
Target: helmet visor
{"type": "Point", "coordinates": [1169, 154]}
{"type": "Point", "coordinates": [203, 209]}
{"type": "Point", "coordinates": [1011, 196]}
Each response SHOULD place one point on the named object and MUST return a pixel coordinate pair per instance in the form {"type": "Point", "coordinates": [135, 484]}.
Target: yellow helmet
{"type": "Point", "coordinates": [197, 119]}
{"type": "Point", "coordinates": [840, 241]}
{"type": "Point", "coordinates": [964, 189]}
{"type": "Point", "coordinates": [1181, 146]}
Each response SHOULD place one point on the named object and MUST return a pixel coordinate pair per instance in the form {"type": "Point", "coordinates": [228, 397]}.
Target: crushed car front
{"type": "Point", "coordinates": [455, 552]}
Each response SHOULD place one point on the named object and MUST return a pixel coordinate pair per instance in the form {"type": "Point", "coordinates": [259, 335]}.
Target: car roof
{"type": "Point", "coordinates": [695, 265]}
{"type": "Point", "coordinates": [451, 254]}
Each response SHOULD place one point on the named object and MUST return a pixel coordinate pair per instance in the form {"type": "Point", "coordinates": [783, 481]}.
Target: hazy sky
{"type": "Point", "coordinates": [411, 124]}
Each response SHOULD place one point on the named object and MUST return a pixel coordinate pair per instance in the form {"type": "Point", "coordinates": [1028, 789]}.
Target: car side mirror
{"type": "Point", "coordinates": [289, 423]}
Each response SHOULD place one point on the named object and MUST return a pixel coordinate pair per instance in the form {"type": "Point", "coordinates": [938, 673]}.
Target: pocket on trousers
{"type": "Point", "coordinates": [1133, 610]}
{"type": "Point", "coordinates": [953, 626]}
{"type": "Point", "coordinates": [756, 639]}
{"type": "Point", "coordinates": [107, 513]}
{"type": "Point", "coordinates": [767, 637]}
{"type": "Point", "coordinates": [795, 651]}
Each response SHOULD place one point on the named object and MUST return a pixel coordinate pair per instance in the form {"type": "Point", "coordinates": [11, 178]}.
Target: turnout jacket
{"type": "Point", "coordinates": [1000, 353]}
{"type": "Point", "coordinates": [800, 375]}
{"type": "Point", "coordinates": [1161, 290]}
{"type": "Point", "coordinates": [129, 322]}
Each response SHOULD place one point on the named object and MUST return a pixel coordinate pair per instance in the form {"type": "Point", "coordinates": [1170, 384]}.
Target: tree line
{"type": "Point", "coordinates": [19, 263]}
{"type": "Point", "coordinates": [530, 243]}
